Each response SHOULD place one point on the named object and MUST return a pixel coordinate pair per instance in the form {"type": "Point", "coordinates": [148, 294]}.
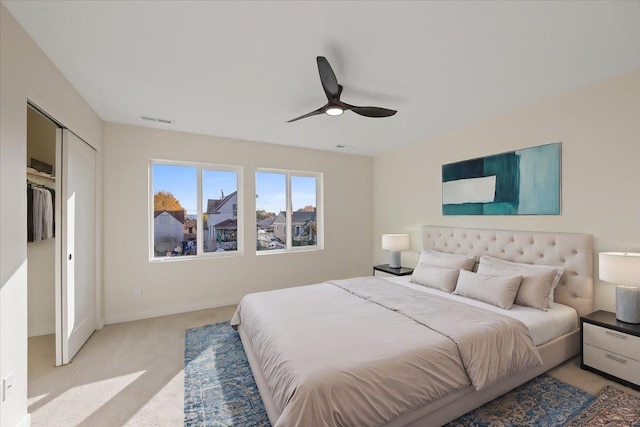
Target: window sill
{"type": "Point", "coordinates": [288, 251]}
{"type": "Point", "coordinates": [205, 256]}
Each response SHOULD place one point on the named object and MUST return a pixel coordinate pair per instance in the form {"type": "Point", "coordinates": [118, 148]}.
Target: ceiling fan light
{"type": "Point", "coordinates": [334, 111]}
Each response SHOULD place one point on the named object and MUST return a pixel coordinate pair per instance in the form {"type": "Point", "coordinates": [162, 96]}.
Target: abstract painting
{"type": "Point", "coordinates": [521, 182]}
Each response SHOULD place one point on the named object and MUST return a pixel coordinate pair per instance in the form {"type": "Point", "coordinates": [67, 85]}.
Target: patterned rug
{"type": "Point", "coordinates": [611, 407]}
{"type": "Point", "coordinates": [543, 401]}
{"type": "Point", "coordinates": [220, 391]}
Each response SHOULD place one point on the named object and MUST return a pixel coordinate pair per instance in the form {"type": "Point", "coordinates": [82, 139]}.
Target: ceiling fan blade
{"type": "Point", "coordinates": [371, 111]}
{"type": "Point", "coordinates": [313, 113]}
{"type": "Point", "coordinates": [328, 79]}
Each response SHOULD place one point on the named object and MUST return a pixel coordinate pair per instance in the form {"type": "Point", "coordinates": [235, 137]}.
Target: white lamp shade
{"type": "Point", "coordinates": [622, 268]}
{"type": "Point", "coordinates": [395, 242]}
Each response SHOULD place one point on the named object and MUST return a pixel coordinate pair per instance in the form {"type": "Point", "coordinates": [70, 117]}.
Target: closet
{"type": "Point", "coordinates": [41, 253]}
{"type": "Point", "coordinates": [61, 248]}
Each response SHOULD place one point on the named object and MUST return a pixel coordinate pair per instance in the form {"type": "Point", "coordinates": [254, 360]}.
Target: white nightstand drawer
{"type": "Point", "coordinates": [611, 363]}
{"type": "Point", "coordinates": [614, 341]}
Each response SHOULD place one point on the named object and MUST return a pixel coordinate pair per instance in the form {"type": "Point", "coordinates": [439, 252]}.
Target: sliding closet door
{"type": "Point", "coordinates": [78, 233]}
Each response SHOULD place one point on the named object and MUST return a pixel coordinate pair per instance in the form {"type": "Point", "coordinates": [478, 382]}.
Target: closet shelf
{"type": "Point", "coordinates": [35, 173]}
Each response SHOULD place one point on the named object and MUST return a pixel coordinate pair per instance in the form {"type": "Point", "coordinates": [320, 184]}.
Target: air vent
{"type": "Point", "coordinates": [157, 120]}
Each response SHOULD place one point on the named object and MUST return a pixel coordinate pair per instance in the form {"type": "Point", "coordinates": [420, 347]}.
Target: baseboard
{"type": "Point", "coordinates": [166, 311]}
{"type": "Point", "coordinates": [42, 330]}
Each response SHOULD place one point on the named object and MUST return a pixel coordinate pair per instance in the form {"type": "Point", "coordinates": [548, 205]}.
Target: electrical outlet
{"type": "Point", "coordinates": [7, 387]}
{"type": "Point", "coordinates": [137, 290]}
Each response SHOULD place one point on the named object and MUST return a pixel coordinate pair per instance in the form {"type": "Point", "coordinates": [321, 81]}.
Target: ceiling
{"type": "Point", "coordinates": [242, 69]}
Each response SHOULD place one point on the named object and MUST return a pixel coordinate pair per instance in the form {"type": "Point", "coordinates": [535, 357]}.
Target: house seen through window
{"type": "Point", "coordinates": [287, 201]}
{"type": "Point", "coordinates": [181, 226]}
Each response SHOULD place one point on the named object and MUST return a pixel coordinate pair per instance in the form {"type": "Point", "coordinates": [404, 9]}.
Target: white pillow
{"type": "Point", "coordinates": [435, 277]}
{"type": "Point", "coordinates": [496, 290]}
{"type": "Point", "coordinates": [535, 288]}
{"type": "Point", "coordinates": [446, 260]}
{"type": "Point", "coordinates": [526, 270]}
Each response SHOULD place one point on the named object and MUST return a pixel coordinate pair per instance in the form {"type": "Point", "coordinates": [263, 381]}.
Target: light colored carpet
{"type": "Point", "coordinates": [126, 374]}
{"type": "Point", "coordinates": [132, 374]}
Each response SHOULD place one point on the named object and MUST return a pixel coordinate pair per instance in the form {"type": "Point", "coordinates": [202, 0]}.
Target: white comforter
{"type": "Point", "coordinates": [362, 352]}
{"type": "Point", "coordinates": [544, 326]}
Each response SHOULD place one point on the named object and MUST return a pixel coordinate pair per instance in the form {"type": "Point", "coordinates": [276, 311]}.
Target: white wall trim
{"type": "Point", "coordinates": [166, 311]}
{"type": "Point", "coordinates": [42, 330]}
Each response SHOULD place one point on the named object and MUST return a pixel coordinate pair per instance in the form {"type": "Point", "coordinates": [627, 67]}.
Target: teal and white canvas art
{"type": "Point", "coordinates": [521, 182]}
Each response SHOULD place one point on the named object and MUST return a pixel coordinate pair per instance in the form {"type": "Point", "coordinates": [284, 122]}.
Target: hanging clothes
{"type": "Point", "coordinates": [52, 192]}
{"type": "Point", "coordinates": [47, 217]}
{"type": "Point", "coordinates": [29, 213]}
{"type": "Point", "coordinates": [40, 212]}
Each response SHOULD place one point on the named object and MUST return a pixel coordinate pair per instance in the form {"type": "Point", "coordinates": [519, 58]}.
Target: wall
{"type": "Point", "coordinates": [41, 139]}
{"type": "Point", "coordinates": [41, 144]}
{"type": "Point", "coordinates": [183, 285]}
{"type": "Point", "coordinates": [25, 73]}
{"type": "Point", "coordinates": [599, 127]}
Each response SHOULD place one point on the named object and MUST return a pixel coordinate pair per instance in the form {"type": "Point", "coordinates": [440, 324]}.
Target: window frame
{"type": "Point", "coordinates": [319, 176]}
{"type": "Point", "coordinates": [200, 168]}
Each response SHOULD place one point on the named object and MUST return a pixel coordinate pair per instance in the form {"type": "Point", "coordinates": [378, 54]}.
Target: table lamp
{"type": "Point", "coordinates": [623, 269]}
{"type": "Point", "coordinates": [395, 243]}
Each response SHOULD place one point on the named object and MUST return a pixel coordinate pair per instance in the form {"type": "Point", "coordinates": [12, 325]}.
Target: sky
{"type": "Point", "coordinates": [181, 181]}
{"type": "Point", "coordinates": [271, 192]}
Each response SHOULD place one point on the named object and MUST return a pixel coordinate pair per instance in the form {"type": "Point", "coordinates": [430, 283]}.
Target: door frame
{"type": "Point", "coordinates": [58, 256]}
{"type": "Point", "coordinates": [35, 105]}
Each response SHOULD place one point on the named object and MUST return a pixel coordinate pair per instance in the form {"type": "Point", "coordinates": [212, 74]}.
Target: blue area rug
{"type": "Point", "coordinates": [543, 401]}
{"type": "Point", "coordinates": [219, 390]}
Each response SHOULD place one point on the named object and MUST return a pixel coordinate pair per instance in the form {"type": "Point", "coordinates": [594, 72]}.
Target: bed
{"type": "Point", "coordinates": [351, 352]}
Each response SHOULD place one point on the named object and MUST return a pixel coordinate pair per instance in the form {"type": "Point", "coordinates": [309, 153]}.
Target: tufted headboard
{"type": "Point", "coordinates": [572, 251]}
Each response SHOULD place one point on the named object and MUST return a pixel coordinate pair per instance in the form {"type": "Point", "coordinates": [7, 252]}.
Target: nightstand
{"type": "Point", "coordinates": [383, 270]}
{"type": "Point", "coordinates": [611, 348]}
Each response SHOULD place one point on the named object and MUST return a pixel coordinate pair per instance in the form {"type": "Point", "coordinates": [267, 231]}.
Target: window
{"type": "Point", "coordinates": [194, 210]}
{"type": "Point", "coordinates": [288, 201]}
{"type": "Point", "coordinates": [220, 201]}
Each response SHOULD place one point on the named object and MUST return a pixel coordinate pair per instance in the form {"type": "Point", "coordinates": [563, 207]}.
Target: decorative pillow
{"type": "Point", "coordinates": [496, 290]}
{"type": "Point", "coordinates": [535, 288]}
{"type": "Point", "coordinates": [435, 277]}
{"type": "Point", "coordinates": [526, 270]}
{"type": "Point", "coordinates": [446, 260]}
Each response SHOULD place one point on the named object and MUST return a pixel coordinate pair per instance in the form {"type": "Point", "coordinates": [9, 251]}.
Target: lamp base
{"type": "Point", "coordinates": [628, 304]}
{"type": "Point", "coordinates": [394, 259]}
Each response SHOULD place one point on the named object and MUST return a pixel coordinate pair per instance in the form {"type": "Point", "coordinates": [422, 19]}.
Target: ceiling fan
{"type": "Point", "coordinates": [333, 90]}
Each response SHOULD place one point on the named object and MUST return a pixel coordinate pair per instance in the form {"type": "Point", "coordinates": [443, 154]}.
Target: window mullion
{"type": "Point", "coordinates": [319, 223]}
{"type": "Point", "coordinates": [288, 231]}
{"type": "Point", "coordinates": [151, 215]}
{"type": "Point", "coordinates": [199, 219]}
